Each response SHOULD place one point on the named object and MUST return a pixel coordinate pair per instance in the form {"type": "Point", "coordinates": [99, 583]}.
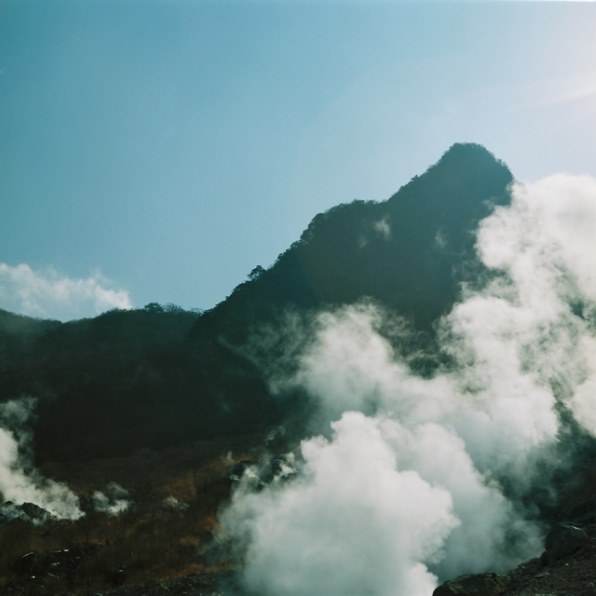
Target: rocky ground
{"type": "Point", "coordinates": [566, 568]}
{"type": "Point", "coordinates": [162, 545]}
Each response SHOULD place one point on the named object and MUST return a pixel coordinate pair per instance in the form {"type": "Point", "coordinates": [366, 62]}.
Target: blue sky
{"type": "Point", "coordinates": [158, 151]}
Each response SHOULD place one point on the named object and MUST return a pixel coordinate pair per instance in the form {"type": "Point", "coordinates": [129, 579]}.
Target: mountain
{"type": "Point", "coordinates": [155, 377]}
{"type": "Point", "coordinates": [156, 413]}
{"type": "Point", "coordinates": [409, 252]}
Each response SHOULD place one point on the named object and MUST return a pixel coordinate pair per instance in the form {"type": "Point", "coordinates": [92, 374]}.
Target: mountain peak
{"type": "Point", "coordinates": [469, 148]}
{"type": "Point", "coordinates": [469, 151]}
{"type": "Point", "coordinates": [465, 167]}
{"type": "Point", "coordinates": [472, 162]}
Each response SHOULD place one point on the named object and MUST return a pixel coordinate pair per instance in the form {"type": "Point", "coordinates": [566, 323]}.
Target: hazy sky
{"type": "Point", "coordinates": [158, 151]}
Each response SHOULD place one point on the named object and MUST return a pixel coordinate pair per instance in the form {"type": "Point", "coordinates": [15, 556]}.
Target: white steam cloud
{"type": "Point", "coordinates": [19, 482]}
{"type": "Point", "coordinates": [409, 486]}
{"type": "Point", "coordinates": [382, 228]}
{"type": "Point", "coordinates": [348, 518]}
{"type": "Point", "coordinates": [113, 501]}
{"type": "Point", "coordinates": [49, 294]}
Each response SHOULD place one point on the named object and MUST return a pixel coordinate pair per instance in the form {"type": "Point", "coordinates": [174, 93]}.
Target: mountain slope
{"type": "Point", "coordinates": [408, 253]}
{"type": "Point", "coordinates": [174, 406]}
{"type": "Point", "coordinates": [152, 378]}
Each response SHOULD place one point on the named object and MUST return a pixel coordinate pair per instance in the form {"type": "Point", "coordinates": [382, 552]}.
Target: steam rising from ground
{"type": "Point", "coordinates": [113, 501]}
{"type": "Point", "coordinates": [408, 486]}
{"type": "Point", "coordinates": [19, 481]}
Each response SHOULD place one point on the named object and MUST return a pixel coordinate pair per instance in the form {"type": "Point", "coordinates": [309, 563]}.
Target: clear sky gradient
{"type": "Point", "coordinates": [172, 146]}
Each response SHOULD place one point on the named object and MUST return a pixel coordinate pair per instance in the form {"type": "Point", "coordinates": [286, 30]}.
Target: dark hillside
{"type": "Point", "coordinates": [18, 335]}
{"type": "Point", "coordinates": [159, 376]}
{"type": "Point", "coordinates": [409, 253]}
{"type": "Point", "coordinates": [175, 406]}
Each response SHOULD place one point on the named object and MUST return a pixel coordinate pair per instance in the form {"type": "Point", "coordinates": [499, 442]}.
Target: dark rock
{"type": "Point", "coordinates": [481, 584]}
{"type": "Point", "coordinates": [563, 540]}
{"type": "Point", "coordinates": [35, 513]}
{"type": "Point", "coordinates": [27, 512]}
{"type": "Point", "coordinates": [209, 584]}
{"type": "Point", "coordinates": [62, 562]}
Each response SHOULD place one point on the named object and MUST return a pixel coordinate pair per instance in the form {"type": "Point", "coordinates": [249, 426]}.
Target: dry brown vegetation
{"type": "Point", "coordinates": [149, 541]}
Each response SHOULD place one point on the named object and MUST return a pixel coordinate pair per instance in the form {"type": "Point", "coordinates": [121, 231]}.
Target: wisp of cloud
{"type": "Point", "coordinates": [49, 294]}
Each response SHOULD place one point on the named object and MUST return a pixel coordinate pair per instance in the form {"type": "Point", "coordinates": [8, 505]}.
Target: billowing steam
{"type": "Point", "coordinates": [420, 479]}
{"type": "Point", "coordinates": [19, 481]}
{"type": "Point", "coordinates": [113, 501]}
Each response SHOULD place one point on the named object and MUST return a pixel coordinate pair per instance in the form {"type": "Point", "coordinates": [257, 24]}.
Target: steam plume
{"type": "Point", "coordinates": [19, 481]}
{"type": "Point", "coordinates": [407, 488]}
{"type": "Point", "coordinates": [113, 501]}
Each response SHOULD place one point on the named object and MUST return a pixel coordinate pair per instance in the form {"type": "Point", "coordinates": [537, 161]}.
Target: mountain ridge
{"type": "Point", "coordinates": [313, 269]}
{"type": "Point", "coordinates": [173, 404]}
{"type": "Point", "coordinates": [150, 377]}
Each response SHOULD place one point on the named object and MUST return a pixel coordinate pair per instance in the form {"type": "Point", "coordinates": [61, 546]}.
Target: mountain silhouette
{"type": "Point", "coordinates": [158, 376]}
{"type": "Point", "coordinates": [159, 412]}
{"type": "Point", "coordinates": [408, 253]}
